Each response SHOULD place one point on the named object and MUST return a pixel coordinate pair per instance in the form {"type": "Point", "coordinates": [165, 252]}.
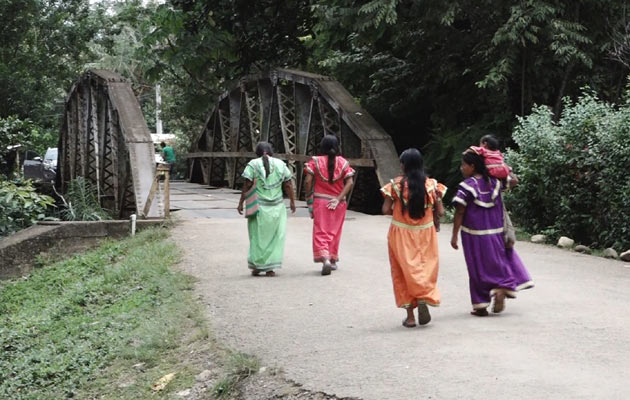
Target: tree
{"type": "Point", "coordinates": [44, 50]}
{"type": "Point", "coordinates": [198, 47]}
{"type": "Point", "coordinates": [439, 75]}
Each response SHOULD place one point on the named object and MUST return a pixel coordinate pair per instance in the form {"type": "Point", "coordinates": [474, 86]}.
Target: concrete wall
{"type": "Point", "coordinates": [19, 251]}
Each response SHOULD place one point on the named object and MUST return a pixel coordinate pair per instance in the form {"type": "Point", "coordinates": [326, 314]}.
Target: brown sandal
{"type": "Point", "coordinates": [256, 272]}
{"type": "Point", "coordinates": [270, 273]}
{"type": "Point", "coordinates": [480, 312]}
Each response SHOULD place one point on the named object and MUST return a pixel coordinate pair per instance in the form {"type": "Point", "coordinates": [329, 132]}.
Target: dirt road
{"type": "Point", "coordinates": [565, 339]}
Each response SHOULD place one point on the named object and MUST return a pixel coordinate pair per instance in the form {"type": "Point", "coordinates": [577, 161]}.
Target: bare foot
{"type": "Point", "coordinates": [410, 321]}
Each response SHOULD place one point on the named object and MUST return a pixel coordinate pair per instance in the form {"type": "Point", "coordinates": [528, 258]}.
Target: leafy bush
{"type": "Point", "coordinates": [573, 172]}
{"type": "Point", "coordinates": [21, 206]}
{"type": "Point", "coordinates": [81, 201]}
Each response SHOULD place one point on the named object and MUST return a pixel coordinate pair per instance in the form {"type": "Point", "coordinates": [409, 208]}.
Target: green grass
{"type": "Point", "coordinates": [239, 367]}
{"type": "Point", "coordinates": [77, 328]}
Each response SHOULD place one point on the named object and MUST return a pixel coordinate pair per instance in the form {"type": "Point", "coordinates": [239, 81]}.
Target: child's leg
{"type": "Point", "coordinates": [498, 171]}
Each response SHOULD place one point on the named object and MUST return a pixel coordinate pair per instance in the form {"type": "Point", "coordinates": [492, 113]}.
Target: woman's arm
{"type": "Point", "coordinates": [439, 206]}
{"type": "Point", "coordinates": [388, 204]}
{"type": "Point", "coordinates": [288, 189]}
{"type": "Point", "coordinates": [333, 203]}
{"type": "Point", "coordinates": [246, 186]}
{"type": "Point", "coordinates": [308, 183]}
{"type": "Point", "coordinates": [460, 210]}
{"type": "Point", "coordinates": [346, 189]}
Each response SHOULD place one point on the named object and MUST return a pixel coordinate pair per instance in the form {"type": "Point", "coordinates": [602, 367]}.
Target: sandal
{"type": "Point", "coordinates": [408, 325]}
{"type": "Point", "coordinates": [480, 312]}
{"type": "Point", "coordinates": [326, 268]}
{"type": "Point", "coordinates": [423, 314]}
{"type": "Point", "coordinates": [270, 273]}
{"type": "Point", "coordinates": [256, 272]}
{"type": "Point", "coordinates": [499, 301]}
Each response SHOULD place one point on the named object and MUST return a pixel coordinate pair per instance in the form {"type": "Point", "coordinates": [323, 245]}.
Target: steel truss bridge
{"type": "Point", "coordinates": [292, 110]}
{"type": "Point", "coordinates": [105, 139]}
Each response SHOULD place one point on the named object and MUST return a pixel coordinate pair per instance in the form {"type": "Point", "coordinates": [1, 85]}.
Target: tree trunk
{"type": "Point", "coordinates": [524, 59]}
{"type": "Point", "coordinates": [557, 109]}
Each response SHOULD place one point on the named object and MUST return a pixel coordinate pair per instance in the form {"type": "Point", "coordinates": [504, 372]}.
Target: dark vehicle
{"type": "Point", "coordinates": [40, 169]}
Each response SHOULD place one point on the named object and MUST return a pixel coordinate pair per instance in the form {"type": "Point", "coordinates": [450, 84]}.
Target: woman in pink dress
{"type": "Point", "coordinates": [328, 181]}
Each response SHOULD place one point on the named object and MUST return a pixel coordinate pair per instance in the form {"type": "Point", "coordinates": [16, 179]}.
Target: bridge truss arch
{"type": "Point", "coordinates": [105, 139]}
{"type": "Point", "coordinates": [292, 110]}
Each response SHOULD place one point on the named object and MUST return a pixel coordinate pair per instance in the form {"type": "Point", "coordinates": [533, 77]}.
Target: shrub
{"type": "Point", "coordinates": [21, 206]}
{"type": "Point", "coordinates": [81, 201]}
{"type": "Point", "coordinates": [572, 172]}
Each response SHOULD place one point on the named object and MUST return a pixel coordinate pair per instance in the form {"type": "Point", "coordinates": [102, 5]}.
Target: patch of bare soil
{"type": "Point", "coordinates": [265, 384]}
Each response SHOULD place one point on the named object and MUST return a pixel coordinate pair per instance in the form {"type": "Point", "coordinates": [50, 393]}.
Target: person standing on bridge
{"type": "Point", "coordinates": [168, 154]}
{"type": "Point", "coordinates": [267, 225]}
{"type": "Point", "coordinates": [328, 181]}
{"type": "Point", "coordinates": [412, 238]}
{"type": "Point", "coordinates": [493, 269]}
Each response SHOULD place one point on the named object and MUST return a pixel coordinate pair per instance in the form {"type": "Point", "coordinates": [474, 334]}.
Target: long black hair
{"type": "Point", "coordinates": [415, 178]}
{"type": "Point", "coordinates": [330, 146]}
{"type": "Point", "coordinates": [474, 159]}
{"type": "Point", "coordinates": [264, 150]}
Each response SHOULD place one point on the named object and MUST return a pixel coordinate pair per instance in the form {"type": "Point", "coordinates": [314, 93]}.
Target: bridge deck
{"type": "Point", "coordinates": [191, 201]}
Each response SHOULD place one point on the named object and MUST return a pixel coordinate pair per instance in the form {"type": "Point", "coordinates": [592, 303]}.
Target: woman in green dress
{"type": "Point", "coordinates": [267, 225]}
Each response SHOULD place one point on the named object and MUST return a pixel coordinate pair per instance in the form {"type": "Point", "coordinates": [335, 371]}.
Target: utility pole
{"type": "Point", "coordinates": [158, 110]}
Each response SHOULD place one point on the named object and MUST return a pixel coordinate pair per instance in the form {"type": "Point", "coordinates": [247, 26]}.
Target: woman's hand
{"type": "Point", "coordinates": [240, 207]}
{"type": "Point", "coordinates": [454, 242]}
{"type": "Point", "coordinates": [333, 203]}
{"type": "Point", "coordinates": [292, 206]}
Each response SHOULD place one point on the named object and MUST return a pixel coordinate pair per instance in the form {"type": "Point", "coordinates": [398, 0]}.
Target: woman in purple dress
{"type": "Point", "coordinates": [493, 270]}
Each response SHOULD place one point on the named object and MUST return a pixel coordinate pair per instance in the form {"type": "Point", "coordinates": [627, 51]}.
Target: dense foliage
{"type": "Point", "coordinates": [445, 73]}
{"type": "Point", "coordinates": [44, 47]}
{"type": "Point", "coordinates": [21, 206]}
{"type": "Point", "coordinates": [573, 172]}
{"type": "Point", "coordinates": [436, 74]}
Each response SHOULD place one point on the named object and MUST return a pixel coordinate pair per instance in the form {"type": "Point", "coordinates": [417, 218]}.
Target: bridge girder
{"type": "Point", "coordinates": [292, 110]}
{"type": "Point", "coordinates": [105, 139]}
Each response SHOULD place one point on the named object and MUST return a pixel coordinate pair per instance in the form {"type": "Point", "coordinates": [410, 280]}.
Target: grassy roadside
{"type": "Point", "coordinates": [104, 324]}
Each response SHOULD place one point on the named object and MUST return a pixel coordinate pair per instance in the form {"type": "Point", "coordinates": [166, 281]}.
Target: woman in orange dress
{"type": "Point", "coordinates": [412, 237]}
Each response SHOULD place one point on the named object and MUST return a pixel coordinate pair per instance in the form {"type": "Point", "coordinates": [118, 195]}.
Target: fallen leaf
{"type": "Point", "coordinates": [163, 381]}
